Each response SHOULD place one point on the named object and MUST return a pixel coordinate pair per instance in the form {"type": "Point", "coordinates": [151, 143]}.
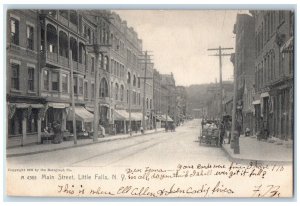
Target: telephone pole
{"type": "Point", "coordinates": [145, 59]}
{"type": "Point", "coordinates": [220, 55]}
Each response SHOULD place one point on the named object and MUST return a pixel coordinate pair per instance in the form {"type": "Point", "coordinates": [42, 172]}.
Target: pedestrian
{"type": "Point", "coordinates": [222, 133]}
{"type": "Point", "coordinates": [142, 130]}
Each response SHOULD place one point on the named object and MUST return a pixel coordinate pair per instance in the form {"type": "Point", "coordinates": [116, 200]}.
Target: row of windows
{"type": "Point", "coordinates": [267, 29]}
{"type": "Point", "coordinates": [80, 86]}
{"type": "Point", "coordinates": [15, 77]}
{"type": "Point", "coordinates": [15, 34]}
{"type": "Point", "coordinates": [266, 71]}
{"type": "Point", "coordinates": [117, 69]}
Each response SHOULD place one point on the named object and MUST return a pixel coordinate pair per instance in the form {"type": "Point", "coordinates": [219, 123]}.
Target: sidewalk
{"type": "Point", "coordinates": [41, 148]}
{"type": "Point", "coordinates": [261, 151]}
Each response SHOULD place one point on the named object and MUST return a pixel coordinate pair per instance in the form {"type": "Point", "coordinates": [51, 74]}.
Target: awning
{"type": "Point", "coordinates": [25, 105]}
{"type": "Point", "coordinates": [90, 109]}
{"type": "Point", "coordinates": [81, 114]}
{"type": "Point", "coordinates": [256, 101]}
{"type": "Point", "coordinates": [163, 118]}
{"type": "Point", "coordinates": [37, 106]}
{"type": "Point", "coordinates": [121, 115]}
{"type": "Point", "coordinates": [169, 119]}
{"type": "Point", "coordinates": [265, 94]}
{"type": "Point", "coordinates": [58, 105]}
{"type": "Point", "coordinates": [137, 116]}
{"type": "Point", "coordinates": [159, 118]}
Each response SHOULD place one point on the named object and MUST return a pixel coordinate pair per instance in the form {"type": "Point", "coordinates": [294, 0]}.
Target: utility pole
{"type": "Point", "coordinates": [220, 55]}
{"type": "Point", "coordinates": [73, 100]}
{"type": "Point", "coordinates": [145, 59]}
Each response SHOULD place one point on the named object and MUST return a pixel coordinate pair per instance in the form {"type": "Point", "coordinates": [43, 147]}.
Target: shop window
{"type": "Point", "coordinates": [15, 78]}
{"type": "Point", "coordinates": [14, 31]}
{"type": "Point", "coordinates": [32, 121]}
{"type": "Point", "coordinates": [29, 34]}
{"type": "Point", "coordinates": [30, 79]}
{"type": "Point", "coordinates": [15, 123]}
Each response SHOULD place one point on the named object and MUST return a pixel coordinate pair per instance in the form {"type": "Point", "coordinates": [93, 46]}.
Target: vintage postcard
{"type": "Point", "coordinates": [150, 103]}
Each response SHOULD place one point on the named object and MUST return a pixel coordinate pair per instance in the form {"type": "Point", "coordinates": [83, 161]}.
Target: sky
{"type": "Point", "coordinates": [179, 40]}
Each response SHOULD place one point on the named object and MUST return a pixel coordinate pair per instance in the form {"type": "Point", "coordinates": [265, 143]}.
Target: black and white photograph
{"type": "Point", "coordinates": [149, 103]}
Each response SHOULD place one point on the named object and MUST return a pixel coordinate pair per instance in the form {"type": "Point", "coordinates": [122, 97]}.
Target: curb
{"type": "Point", "coordinates": [78, 145]}
{"type": "Point", "coordinates": [247, 161]}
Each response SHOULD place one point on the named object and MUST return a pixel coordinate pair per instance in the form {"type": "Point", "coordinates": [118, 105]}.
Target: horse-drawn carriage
{"type": "Point", "coordinates": [210, 134]}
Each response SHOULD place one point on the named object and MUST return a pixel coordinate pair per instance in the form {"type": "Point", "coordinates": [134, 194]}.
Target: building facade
{"type": "Point", "coordinates": [45, 48]}
{"type": "Point", "coordinates": [274, 72]}
{"type": "Point", "coordinates": [244, 63]}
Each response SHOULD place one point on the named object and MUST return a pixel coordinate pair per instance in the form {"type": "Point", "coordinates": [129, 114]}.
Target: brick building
{"type": "Point", "coordinates": [244, 63]}
{"type": "Point", "coordinates": [274, 72]}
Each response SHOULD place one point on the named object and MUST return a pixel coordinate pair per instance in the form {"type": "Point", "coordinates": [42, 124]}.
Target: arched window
{"type": "Point", "coordinates": [81, 53]}
{"type": "Point", "coordinates": [73, 47]}
{"type": "Point", "coordinates": [116, 91]}
{"type": "Point", "coordinates": [51, 39]}
{"type": "Point", "coordinates": [101, 61]}
{"type": "Point", "coordinates": [128, 78]}
{"type": "Point", "coordinates": [106, 64]}
{"type": "Point", "coordinates": [63, 44]}
{"type": "Point", "coordinates": [122, 93]}
{"type": "Point", "coordinates": [139, 83]}
{"type": "Point", "coordinates": [134, 80]}
{"type": "Point", "coordinates": [103, 88]}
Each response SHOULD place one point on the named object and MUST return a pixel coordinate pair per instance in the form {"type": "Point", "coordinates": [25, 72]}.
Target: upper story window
{"type": "Point", "coordinates": [93, 64]}
{"type": "Point", "coordinates": [29, 35]}
{"type": "Point", "coordinates": [75, 85]}
{"type": "Point", "coordinates": [55, 81]}
{"type": "Point", "coordinates": [80, 86]}
{"type": "Point", "coordinates": [14, 31]}
{"type": "Point", "coordinates": [64, 83]}
{"type": "Point", "coordinates": [30, 78]}
{"type": "Point", "coordinates": [15, 77]}
{"type": "Point", "coordinates": [85, 90]}
{"type": "Point", "coordinates": [46, 79]}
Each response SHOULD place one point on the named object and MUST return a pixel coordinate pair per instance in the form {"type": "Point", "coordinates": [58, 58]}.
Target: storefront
{"type": "Point", "coordinates": [24, 124]}
{"type": "Point", "coordinates": [84, 120]}
{"type": "Point", "coordinates": [55, 113]}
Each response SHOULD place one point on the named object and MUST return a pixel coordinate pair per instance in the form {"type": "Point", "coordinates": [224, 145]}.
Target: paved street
{"type": "Point", "coordinates": [164, 148]}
